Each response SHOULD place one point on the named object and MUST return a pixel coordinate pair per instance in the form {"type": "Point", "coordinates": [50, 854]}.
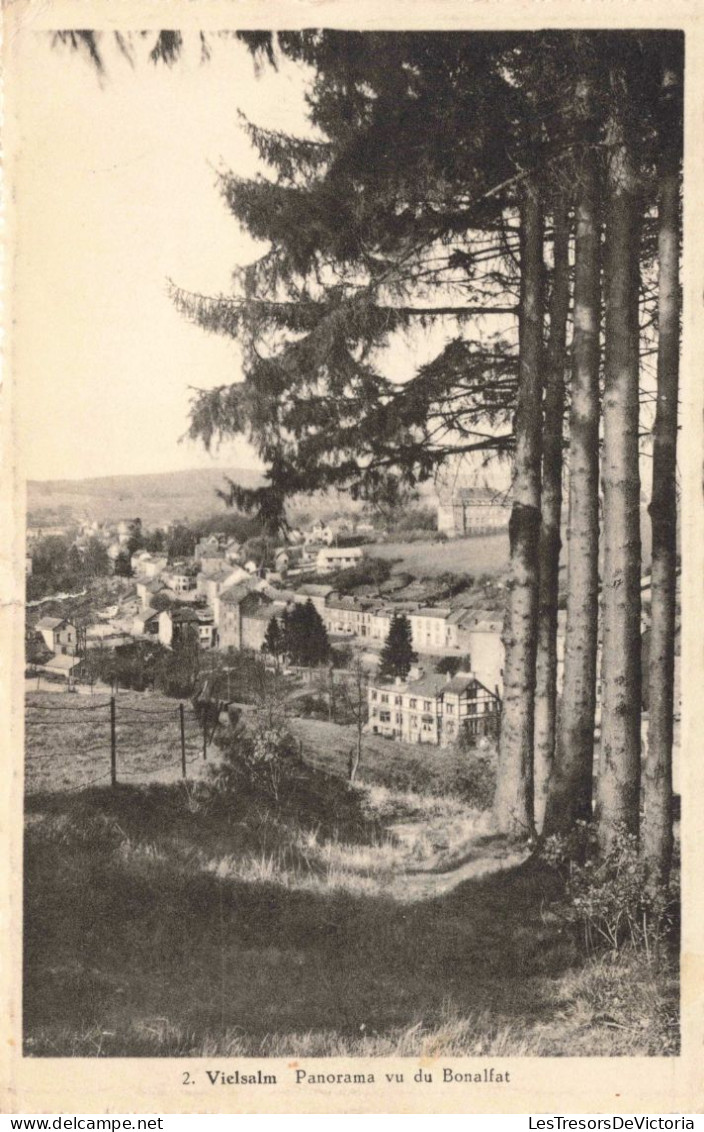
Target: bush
{"type": "Point", "coordinates": [261, 756]}
{"type": "Point", "coordinates": [479, 779]}
{"type": "Point", "coordinates": [609, 903]}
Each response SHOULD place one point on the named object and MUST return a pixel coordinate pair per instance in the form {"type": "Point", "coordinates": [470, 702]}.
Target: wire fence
{"type": "Point", "coordinates": [71, 746]}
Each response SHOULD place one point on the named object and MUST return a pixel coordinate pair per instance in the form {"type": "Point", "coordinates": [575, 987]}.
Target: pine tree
{"type": "Point", "coordinates": [274, 640]}
{"type": "Point", "coordinates": [397, 655]}
{"type": "Point", "coordinates": [618, 795]}
{"type": "Point", "coordinates": [305, 638]}
{"type": "Point", "coordinates": [570, 795]}
{"type": "Point", "coordinates": [513, 802]}
{"type": "Point", "coordinates": [657, 828]}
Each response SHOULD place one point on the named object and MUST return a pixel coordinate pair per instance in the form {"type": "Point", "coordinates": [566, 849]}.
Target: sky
{"type": "Point", "coordinates": [115, 181]}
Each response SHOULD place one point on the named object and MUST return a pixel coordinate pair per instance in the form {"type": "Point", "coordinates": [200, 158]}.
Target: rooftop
{"type": "Point", "coordinates": [50, 623]}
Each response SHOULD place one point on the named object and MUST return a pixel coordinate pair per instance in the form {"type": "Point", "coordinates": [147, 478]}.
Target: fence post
{"type": "Point", "coordinates": [113, 744]}
{"type": "Point", "coordinates": [205, 736]}
{"type": "Point", "coordinates": [183, 741]}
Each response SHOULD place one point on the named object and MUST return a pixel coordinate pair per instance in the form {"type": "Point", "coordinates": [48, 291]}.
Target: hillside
{"type": "Point", "coordinates": [157, 498]}
{"type": "Point", "coordinates": [162, 497]}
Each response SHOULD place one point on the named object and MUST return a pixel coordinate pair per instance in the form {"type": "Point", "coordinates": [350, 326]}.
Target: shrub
{"type": "Point", "coordinates": [608, 902]}
{"type": "Point", "coordinates": [262, 756]}
{"type": "Point", "coordinates": [479, 779]}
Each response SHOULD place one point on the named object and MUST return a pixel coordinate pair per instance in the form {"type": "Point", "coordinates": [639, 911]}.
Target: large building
{"type": "Point", "coordinates": [432, 709]}
{"type": "Point", "coordinates": [472, 511]}
{"type": "Point", "coordinates": [464, 507]}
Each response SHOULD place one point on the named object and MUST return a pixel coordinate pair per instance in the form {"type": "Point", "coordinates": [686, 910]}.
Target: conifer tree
{"type": "Point", "coordinates": [305, 638]}
{"type": "Point", "coordinates": [273, 640]}
{"type": "Point", "coordinates": [397, 655]}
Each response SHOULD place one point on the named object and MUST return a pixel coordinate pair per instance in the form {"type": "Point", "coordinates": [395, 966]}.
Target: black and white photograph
{"type": "Point", "coordinates": [346, 380]}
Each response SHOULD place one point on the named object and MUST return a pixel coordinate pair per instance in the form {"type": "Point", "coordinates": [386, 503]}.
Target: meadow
{"type": "Point", "coordinates": [480, 554]}
{"type": "Point", "coordinates": [165, 918]}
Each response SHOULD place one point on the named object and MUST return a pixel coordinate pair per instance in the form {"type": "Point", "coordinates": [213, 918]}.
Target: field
{"type": "Point", "coordinates": [481, 554]}
{"type": "Point", "coordinates": [164, 918]}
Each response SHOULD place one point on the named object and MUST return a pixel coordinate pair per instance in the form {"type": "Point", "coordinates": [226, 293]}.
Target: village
{"type": "Point", "coordinates": [226, 601]}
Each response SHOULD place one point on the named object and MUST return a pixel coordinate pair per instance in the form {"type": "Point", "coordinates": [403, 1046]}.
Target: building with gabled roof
{"type": "Point", "coordinates": [432, 709]}
{"type": "Point", "coordinates": [228, 616]}
{"type": "Point", "coordinates": [59, 635]}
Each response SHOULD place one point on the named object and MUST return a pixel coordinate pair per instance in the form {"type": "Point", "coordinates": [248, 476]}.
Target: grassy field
{"type": "Point", "coordinates": [481, 554]}
{"type": "Point", "coordinates": [67, 740]}
{"type": "Point", "coordinates": [164, 919]}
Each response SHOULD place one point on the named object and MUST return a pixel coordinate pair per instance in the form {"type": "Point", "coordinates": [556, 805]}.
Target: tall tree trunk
{"type": "Point", "coordinates": [657, 827]}
{"type": "Point", "coordinates": [571, 787]}
{"type": "Point", "coordinates": [619, 761]}
{"type": "Point", "coordinates": [551, 511]}
{"type": "Point", "coordinates": [513, 805]}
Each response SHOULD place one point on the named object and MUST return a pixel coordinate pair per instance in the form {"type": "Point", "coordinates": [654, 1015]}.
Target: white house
{"type": "Point", "coordinates": [59, 635]}
{"type": "Point", "coordinates": [146, 623]}
{"type": "Point", "coordinates": [331, 558]}
{"type": "Point", "coordinates": [432, 709]}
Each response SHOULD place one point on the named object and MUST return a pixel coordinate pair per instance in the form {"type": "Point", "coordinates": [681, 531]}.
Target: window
{"type": "Point", "coordinates": [385, 716]}
{"type": "Point", "coordinates": [397, 700]}
{"type": "Point", "coordinates": [427, 706]}
{"type": "Point", "coordinates": [450, 708]}
{"type": "Point", "coordinates": [374, 695]}
{"type": "Point", "coordinates": [384, 698]}
{"type": "Point", "coordinates": [414, 703]}
{"type": "Point", "coordinates": [398, 716]}
{"type": "Point", "coordinates": [414, 721]}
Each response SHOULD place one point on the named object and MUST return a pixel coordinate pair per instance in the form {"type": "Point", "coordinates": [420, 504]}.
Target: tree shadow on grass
{"type": "Point", "coordinates": [125, 928]}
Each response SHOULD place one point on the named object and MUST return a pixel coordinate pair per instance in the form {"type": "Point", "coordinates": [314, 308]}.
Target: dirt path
{"type": "Point", "coordinates": [484, 856]}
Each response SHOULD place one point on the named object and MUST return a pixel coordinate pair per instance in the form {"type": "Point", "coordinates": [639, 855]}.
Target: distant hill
{"type": "Point", "coordinates": [157, 499]}
{"type": "Point", "coordinates": [161, 498]}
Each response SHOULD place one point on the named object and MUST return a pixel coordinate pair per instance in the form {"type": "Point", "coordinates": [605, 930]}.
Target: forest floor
{"type": "Point", "coordinates": [164, 920]}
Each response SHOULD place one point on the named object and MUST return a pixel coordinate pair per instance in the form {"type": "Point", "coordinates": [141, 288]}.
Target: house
{"type": "Point", "coordinates": [210, 553]}
{"type": "Point", "coordinates": [207, 629]}
{"type": "Point", "coordinates": [431, 629]}
{"type": "Point", "coordinates": [207, 548]}
{"type": "Point", "coordinates": [181, 577]}
{"type": "Point", "coordinates": [146, 623]}
{"type": "Point", "coordinates": [480, 637]}
{"type": "Point", "coordinates": [229, 616]}
{"type": "Point", "coordinates": [349, 616]}
{"type": "Point", "coordinates": [432, 709]}
{"type": "Point", "coordinates": [148, 565]}
{"type": "Point", "coordinates": [59, 635]}
{"type": "Point", "coordinates": [338, 558]}
{"type": "Point", "coordinates": [210, 586]}
{"type": "Point", "coordinates": [317, 593]}
{"type": "Point", "coordinates": [257, 611]}
{"type": "Point", "coordinates": [175, 623]}
{"type": "Point", "coordinates": [319, 533]}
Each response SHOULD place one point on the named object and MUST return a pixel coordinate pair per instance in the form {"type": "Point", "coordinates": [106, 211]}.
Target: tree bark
{"type": "Point", "coordinates": [551, 511]}
{"type": "Point", "coordinates": [657, 826]}
{"type": "Point", "coordinates": [571, 788]}
{"type": "Point", "coordinates": [618, 794]}
{"type": "Point", "coordinates": [513, 806]}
